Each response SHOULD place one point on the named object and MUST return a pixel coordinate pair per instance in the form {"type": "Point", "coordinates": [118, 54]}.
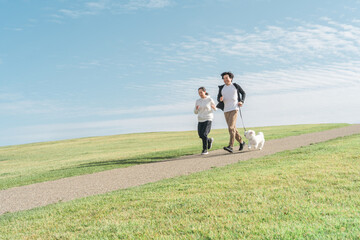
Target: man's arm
{"type": "Point", "coordinates": [242, 92]}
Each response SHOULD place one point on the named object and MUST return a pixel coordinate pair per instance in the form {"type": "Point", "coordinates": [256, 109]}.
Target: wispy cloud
{"type": "Point", "coordinates": [100, 5]}
{"type": "Point", "coordinates": [151, 4]}
{"type": "Point", "coordinates": [84, 9]}
{"type": "Point", "coordinates": [48, 132]}
{"type": "Point", "coordinates": [303, 79]}
{"type": "Point", "coordinates": [9, 96]}
{"type": "Point", "coordinates": [11, 105]}
{"type": "Point", "coordinates": [15, 104]}
{"type": "Point", "coordinates": [18, 104]}
{"type": "Point", "coordinates": [177, 96]}
{"type": "Point", "coordinates": [100, 63]}
{"type": "Point", "coordinates": [76, 13]}
{"type": "Point", "coordinates": [155, 110]}
{"type": "Point", "coordinates": [318, 106]}
{"type": "Point", "coordinates": [306, 78]}
{"type": "Point", "coordinates": [303, 43]}
{"type": "Point", "coordinates": [306, 94]}
{"type": "Point", "coordinates": [15, 29]}
{"type": "Point", "coordinates": [90, 64]}
{"type": "Point", "coordinates": [110, 6]}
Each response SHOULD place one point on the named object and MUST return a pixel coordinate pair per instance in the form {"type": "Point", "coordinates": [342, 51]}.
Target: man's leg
{"type": "Point", "coordinates": [237, 134]}
{"type": "Point", "coordinates": [231, 122]}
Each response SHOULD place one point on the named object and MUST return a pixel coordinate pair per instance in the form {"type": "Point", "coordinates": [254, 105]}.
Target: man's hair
{"type": "Point", "coordinates": [227, 73]}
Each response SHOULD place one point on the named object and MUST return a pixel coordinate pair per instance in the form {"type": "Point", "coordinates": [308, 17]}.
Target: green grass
{"type": "Point", "coordinates": [39, 162]}
{"type": "Point", "coordinates": [308, 193]}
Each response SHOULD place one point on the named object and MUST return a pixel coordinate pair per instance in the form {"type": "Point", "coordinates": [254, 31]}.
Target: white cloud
{"type": "Point", "coordinates": [90, 64]}
{"type": "Point", "coordinates": [304, 43]}
{"type": "Point", "coordinates": [310, 94]}
{"type": "Point", "coordinates": [155, 110]}
{"type": "Point", "coordinates": [319, 84]}
{"type": "Point", "coordinates": [151, 4]}
{"type": "Point", "coordinates": [178, 96]}
{"type": "Point", "coordinates": [9, 96]}
{"type": "Point", "coordinates": [76, 13]}
{"type": "Point", "coordinates": [101, 5]}
{"type": "Point", "coordinates": [15, 104]}
{"type": "Point", "coordinates": [307, 78]}
{"type": "Point", "coordinates": [16, 29]}
{"type": "Point", "coordinates": [114, 7]}
{"type": "Point", "coordinates": [318, 106]}
{"type": "Point", "coordinates": [21, 107]}
{"type": "Point", "coordinates": [50, 132]}
{"type": "Point", "coordinates": [287, 80]}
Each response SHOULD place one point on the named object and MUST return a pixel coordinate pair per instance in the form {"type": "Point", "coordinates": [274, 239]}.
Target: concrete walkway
{"type": "Point", "coordinates": [67, 189]}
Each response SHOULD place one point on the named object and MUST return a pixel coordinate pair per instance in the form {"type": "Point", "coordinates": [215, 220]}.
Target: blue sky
{"type": "Point", "coordinates": [73, 69]}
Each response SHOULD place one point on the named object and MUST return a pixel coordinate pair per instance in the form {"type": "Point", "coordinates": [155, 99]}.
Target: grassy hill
{"type": "Point", "coordinates": [308, 193]}
{"type": "Point", "coordinates": [39, 162]}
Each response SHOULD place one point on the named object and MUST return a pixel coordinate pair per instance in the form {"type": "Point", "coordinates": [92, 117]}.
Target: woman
{"type": "Point", "coordinates": [204, 108]}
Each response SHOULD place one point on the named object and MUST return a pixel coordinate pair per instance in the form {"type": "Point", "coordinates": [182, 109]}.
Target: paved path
{"type": "Point", "coordinates": [41, 194]}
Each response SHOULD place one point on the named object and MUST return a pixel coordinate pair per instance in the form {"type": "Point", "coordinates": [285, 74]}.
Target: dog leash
{"type": "Point", "coordinates": [242, 119]}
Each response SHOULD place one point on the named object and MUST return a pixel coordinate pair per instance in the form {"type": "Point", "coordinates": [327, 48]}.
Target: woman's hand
{"type": "Point", "coordinates": [240, 104]}
{"type": "Point", "coordinates": [221, 98]}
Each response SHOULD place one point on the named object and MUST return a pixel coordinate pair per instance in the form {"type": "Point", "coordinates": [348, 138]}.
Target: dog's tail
{"type": "Point", "coordinates": [261, 133]}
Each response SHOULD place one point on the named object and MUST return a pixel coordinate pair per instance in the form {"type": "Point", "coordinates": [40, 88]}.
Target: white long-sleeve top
{"type": "Point", "coordinates": [205, 112]}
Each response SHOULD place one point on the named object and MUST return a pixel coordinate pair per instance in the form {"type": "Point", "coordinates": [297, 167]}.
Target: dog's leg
{"type": "Point", "coordinates": [262, 144]}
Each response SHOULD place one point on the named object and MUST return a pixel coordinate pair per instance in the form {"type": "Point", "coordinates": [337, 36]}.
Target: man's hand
{"type": "Point", "coordinates": [197, 107]}
{"type": "Point", "coordinates": [221, 99]}
{"type": "Point", "coordinates": [240, 104]}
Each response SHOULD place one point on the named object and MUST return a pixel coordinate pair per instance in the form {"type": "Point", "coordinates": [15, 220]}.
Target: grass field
{"type": "Point", "coordinates": [39, 162]}
{"type": "Point", "coordinates": [308, 193]}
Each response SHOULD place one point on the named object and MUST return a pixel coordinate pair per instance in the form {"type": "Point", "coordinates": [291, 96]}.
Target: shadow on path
{"type": "Point", "coordinates": [146, 160]}
{"type": "Point", "coordinates": [168, 158]}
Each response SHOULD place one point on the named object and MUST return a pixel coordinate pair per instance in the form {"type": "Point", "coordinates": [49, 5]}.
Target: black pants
{"type": "Point", "coordinates": [203, 131]}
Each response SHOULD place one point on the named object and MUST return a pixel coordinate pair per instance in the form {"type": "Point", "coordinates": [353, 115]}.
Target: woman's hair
{"type": "Point", "coordinates": [203, 89]}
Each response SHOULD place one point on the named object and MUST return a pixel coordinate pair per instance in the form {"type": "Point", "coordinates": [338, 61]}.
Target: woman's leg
{"type": "Point", "coordinates": [201, 130]}
{"type": "Point", "coordinates": [207, 129]}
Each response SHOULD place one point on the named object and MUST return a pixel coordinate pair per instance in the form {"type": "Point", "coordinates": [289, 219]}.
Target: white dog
{"type": "Point", "coordinates": [256, 141]}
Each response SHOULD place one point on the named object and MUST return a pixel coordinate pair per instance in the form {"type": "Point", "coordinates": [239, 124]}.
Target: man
{"type": "Point", "coordinates": [230, 97]}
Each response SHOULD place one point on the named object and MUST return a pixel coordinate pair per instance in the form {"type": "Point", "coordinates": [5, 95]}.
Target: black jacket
{"type": "Point", "coordinates": [240, 91]}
